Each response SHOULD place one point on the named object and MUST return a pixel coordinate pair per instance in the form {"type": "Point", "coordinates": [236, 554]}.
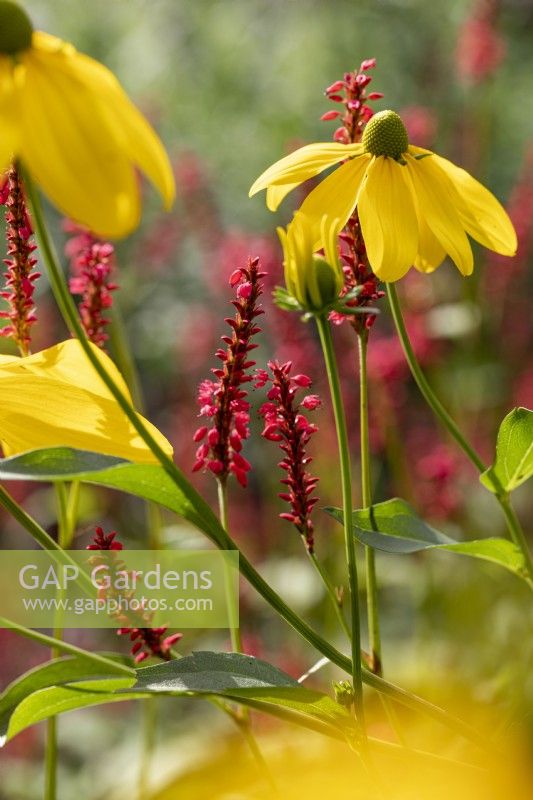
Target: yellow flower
{"type": "Point", "coordinates": [68, 120]}
{"type": "Point", "coordinates": [55, 398]}
{"type": "Point", "coordinates": [315, 281]}
{"type": "Point", "coordinates": [414, 206]}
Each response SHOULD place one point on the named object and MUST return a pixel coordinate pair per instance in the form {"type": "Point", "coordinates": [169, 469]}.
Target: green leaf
{"type": "Point", "coordinates": [56, 672]}
{"type": "Point", "coordinates": [232, 676]}
{"type": "Point", "coordinates": [514, 453]}
{"type": "Point", "coordinates": [245, 679]}
{"type": "Point", "coordinates": [214, 673]}
{"type": "Point", "coordinates": [53, 700]}
{"type": "Point", "coordinates": [147, 481]}
{"type": "Point", "coordinates": [395, 527]}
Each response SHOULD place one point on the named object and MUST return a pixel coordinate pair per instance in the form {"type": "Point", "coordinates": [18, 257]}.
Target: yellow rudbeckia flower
{"type": "Point", "coordinates": [68, 120]}
{"type": "Point", "coordinates": [414, 206]}
{"type": "Point", "coordinates": [56, 399]}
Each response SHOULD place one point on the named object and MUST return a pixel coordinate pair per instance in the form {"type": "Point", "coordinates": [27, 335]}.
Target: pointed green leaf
{"type": "Point", "coordinates": [514, 453]}
{"type": "Point", "coordinates": [147, 481]}
{"type": "Point", "coordinates": [53, 673]}
{"type": "Point", "coordinates": [232, 676]}
{"type": "Point", "coordinates": [395, 527]}
{"type": "Point", "coordinates": [53, 700]}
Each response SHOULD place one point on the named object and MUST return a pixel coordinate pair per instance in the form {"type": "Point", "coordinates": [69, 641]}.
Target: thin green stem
{"type": "Point", "coordinates": [50, 760]}
{"type": "Point", "coordinates": [149, 733]}
{"type": "Point", "coordinates": [440, 412]}
{"type": "Point", "coordinates": [243, 716]}
{"type": "Point", "coordinates": [69, 649]}
{"type": "Point", "coordinates": [203, 516]}
{"type": "Point", "coordinates": [346, 481]}
{"type": "Point", "coordinates": [366, 496]}
{"type": "Point", "coordinates": [235, 631]}
{"type": "Point", "coordinates": [330, 589]}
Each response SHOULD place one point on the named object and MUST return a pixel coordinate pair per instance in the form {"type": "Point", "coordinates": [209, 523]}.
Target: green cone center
{"type": "Point", "coordinates": [15, 28]}
{"type": "Point", "coordinates": [385, 135]}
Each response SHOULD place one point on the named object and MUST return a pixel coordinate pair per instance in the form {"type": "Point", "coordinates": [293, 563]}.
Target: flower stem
{"type": "Point", "coordinates": [344, 455]}
{"type": "Point", "coordinates": [242, 718]}
{"type": "Point", "coordinates": [366, 496]}
{"type": "Point", "coordinates": [513, 524]}
{"type": "Point", "coordinates": [203, 516]}
{"type": "Point", "coordinates": [326, 580]}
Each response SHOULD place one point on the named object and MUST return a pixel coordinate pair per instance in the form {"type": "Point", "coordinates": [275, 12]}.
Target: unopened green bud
{"type": "Point", "coordinates": [15, 28]}
{"type": "Point", "coordinates": [344, 693]}
{"type": "Point", "coordinates": [385, 135]}
{"type": "Point", "coordinates": [322, 287]}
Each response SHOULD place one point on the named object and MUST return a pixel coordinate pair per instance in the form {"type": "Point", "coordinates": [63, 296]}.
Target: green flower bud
{"type": "Point", "coordinates": [385, 135]}
{"type": "Point", "coordinates": [15, 28]}
{"type": "Point", "coordinates": [344, 693]}
{"type": "Point", "coordinates": [314, 281]}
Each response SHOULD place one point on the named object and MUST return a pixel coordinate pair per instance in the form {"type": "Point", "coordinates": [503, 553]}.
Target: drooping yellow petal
{"type": "Point", "coordinates": [67, 362]}
{"type": "Point", "coordinates": [304, 163]}
{"type": "Point", "coordinates": [436, 202]}
{"type": "Point", "coordinates": [70, 149]}
{"type": "Point", "coordinates": [335, 196]}
{"type": "Point", "coordinates": [431, 254]}
{"type": "Point", "coordinates": [131, 131]}
{"type": "Point", "coordinates": [276, 194]}
{"type": "Point", "coordinates": [55, 398]}
{"type": "Point", "coordinates": [8, 114]}
{"type": "Point", "coordinates": [388, 219]}
{"type": "Point", "coordinates": [483, 217]}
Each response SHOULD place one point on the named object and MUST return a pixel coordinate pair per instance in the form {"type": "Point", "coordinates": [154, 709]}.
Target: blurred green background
{"type": "Point", "coordinates": [232, 86]}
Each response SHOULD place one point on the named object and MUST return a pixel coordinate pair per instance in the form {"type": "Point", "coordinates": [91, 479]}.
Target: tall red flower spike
{"type": "Point", "coordinates": [286, 424]}
{"type": "Point", "coordinates": [147, 642]}
{"type": "Point", "coordinates": [351, 92]}
{"type": "Point", "coordinates": [223, 401]}
{"type": "Point", "coordinates": [20, 277]}
{"type": "Point", "coordinates": [92, 263]}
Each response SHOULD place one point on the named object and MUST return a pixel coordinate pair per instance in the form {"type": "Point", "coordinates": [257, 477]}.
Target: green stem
{"type": "Point", "coordinates": [330, 589]}
{"type": "Point", "coordinates": [235, 631]}
{"type": "Point", "coordinates": [346, 481]}
{"type": "Point", "coordinates": [366, 496]}
{"type": "Point", "coordinates": [242, 718]}
{"type": "Point", "coordinates": [69, 649]}
{"type": "Point", "coordinates": [440, 412]}
{"type": "Point", "coordinates": [50, 761]}
{"type": "Point", "coordinates": [204, 517]}
{"type": "Point", "coordinates": [149, 732]}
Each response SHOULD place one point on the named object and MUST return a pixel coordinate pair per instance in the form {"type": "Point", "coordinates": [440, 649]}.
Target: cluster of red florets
{"type": "Point", "coordinates": [285, 423]}
{"type": "Point", "coordinates": [352, 93]}
{"type": "Point", "coordinates": [20, 277]}
{"type": "Point", "coordinates": [147, 642]}
{"type": "Point", "coordinates": [92, 263]}
{"type": "Point", "coordinates": [223, 401]}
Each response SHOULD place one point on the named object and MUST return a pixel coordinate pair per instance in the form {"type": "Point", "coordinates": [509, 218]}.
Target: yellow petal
{"type": "Point", "coordinates": [436, 202]}
{"type": "Point", "coordinates": [55, 398]}
{"type": "Point", "coordinates": [335, 196]}
{"type": "Point", "coordinates": [8, 114]}
{"type": "Point", "coordinates": [71, 150]}
{"type": "Point", "coordinates": [276, 194]}
{"type": "Point", "coordinates": [483, 217]}
{"type": "Point", "coordinates": [431, 254]}
{"type": "Point", "coordinates": [132, 133]}
{"type": "Point", "coordinates": [388, 219]}
{"type": "Point", "coordinates": [304, 163]}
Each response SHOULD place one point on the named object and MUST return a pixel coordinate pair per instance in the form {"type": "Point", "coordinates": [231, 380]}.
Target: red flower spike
{"type": "Point", "coordinates": [223, 400]}
{"type": "Point", "coordinates": [146, 642]}
{"type": "Point", "coordinates": [20, 278]}
{"type": "Point", "coordinates": [92, 263]}
{"type": "Point", "coordinates": [284, 423]}
{"type": "Point", "coordinates": [356, 269]}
